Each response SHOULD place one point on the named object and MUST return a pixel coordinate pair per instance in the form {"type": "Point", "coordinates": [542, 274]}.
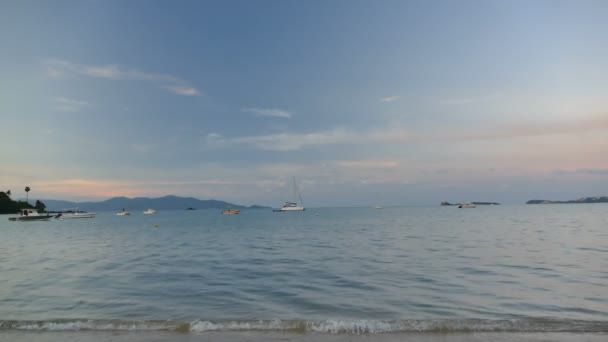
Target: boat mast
{"type": "Point", "coordinates": [295, 191]}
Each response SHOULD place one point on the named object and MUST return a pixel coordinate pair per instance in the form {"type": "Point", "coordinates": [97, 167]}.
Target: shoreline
{"type": "Point", "coordinates": [164, 336]}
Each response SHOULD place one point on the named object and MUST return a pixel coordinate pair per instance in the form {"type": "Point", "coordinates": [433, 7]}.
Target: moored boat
{"type": "Point", "coordinates": [231, 212]}
{"type": "Point", "coordinates": [149, 212]}
{"type": "Point", "coordinates": [73, 213]}
{"type": "Point", "coordinates": [123, 213]}
{"type": "Point", "coordinates": [293, 205]}
{"type": "Point", "coordinates": [30, 215]}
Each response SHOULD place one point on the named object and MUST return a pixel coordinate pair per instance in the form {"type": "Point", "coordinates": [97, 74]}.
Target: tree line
{"type": "Point", "coordinates": [9, 206]}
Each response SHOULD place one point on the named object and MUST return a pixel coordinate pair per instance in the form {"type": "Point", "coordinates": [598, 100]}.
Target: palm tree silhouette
{"type": "Point", "coordinates": [27, 190]}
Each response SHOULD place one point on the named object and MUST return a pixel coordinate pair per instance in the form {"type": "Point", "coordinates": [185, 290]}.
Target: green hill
{"type": "Point", "coordinates": [8, 206]}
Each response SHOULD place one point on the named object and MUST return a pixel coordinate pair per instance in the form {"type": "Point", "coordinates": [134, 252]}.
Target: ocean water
{"type": "Point", "coordinates": [509, 272]}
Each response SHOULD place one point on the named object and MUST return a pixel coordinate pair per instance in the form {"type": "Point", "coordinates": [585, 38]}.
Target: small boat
{"type": "Point", "coordinates": [466, 205]}
{"type": "Point", "coordinates": [123, 213]}
{"type": "Point", "coordinates": [73, 213]}
{"type": "Point", "coordinates": [30, 215]}
{"type": "Point", "coordinates": [379, 207]}
{"type": "Point", "coordinates": [231, 212]}
{"type": "Point", "coordinates": [293, 205]}
{"type": "Point", "coordinates": [149, 212]}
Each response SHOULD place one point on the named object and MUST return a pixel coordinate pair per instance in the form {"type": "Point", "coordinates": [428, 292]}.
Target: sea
{"type": "Point", "coordinates": [491, 273]}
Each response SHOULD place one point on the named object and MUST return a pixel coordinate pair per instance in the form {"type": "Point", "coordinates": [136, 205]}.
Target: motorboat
{"type": "Point", "coordinates": [149, 212]}
{"type": "Point", "coordinates": [73, 213]}
{"type": "Point", "coordinates": [466, 205]}
{"type": "Point", "coordinates": [231, 212]}
{"type": "Point", "coordinates": [30, 215]}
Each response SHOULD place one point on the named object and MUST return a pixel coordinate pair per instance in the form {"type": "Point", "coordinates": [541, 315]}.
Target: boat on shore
{"type": "Point", "coordinates": [293, 205]}
{"type": "Point", "coordinates": [31, 215]}
{"type": "Point", "coordinates": [149, 212]}
{"type": "Point", "coordinates": [231, 212]}
{"type": "Point", "coordinates": [73, 213]}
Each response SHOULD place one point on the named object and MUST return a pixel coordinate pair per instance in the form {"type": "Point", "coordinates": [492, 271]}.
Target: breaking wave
{"type": "Point", "coordinates": [317, 326]}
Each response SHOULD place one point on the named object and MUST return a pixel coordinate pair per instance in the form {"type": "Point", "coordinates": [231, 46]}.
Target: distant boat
{"type": "Point", "coordinates": [74, 213]}
{"type": "Point", "coordinates": [379, 207]}
{"type": "Point", "coordinates": [123, 213]}
{"type": "Point", "coordinates": [149, 212]}
{"type": "Point", "coordinates": [293, 205]}
{"type": "Point", "coordinates": [466, 205]}
{"type": "Point", "coordinates": [231, 212]}
{"type": "Point", "coordinates": [30, 215]}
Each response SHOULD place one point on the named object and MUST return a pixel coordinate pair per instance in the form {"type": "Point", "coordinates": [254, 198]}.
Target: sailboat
{"type": "Point", "coordinates": [293, 205]}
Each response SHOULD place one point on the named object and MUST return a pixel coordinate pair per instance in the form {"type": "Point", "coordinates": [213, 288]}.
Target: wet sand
{"type": "Point", "coordinates": [139, 336]}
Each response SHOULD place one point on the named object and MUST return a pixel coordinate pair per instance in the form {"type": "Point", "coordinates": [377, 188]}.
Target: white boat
{"type": "Point", "coordinates": [74, 213]}
{"type": "Point", "coordinates": [466, 205]}
{"type": "Point", "coordinates": [123, 213]}
{"type": "Point", "coordinates": [149, 212]}
{"type": "Point", "coordinates": [293, 205]}
{"type": "Point", "coordinates": [30, 215]}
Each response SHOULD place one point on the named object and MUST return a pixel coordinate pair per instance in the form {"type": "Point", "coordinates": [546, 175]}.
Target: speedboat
{"type": "Point", "coordinates": [74, 213]}
{"type": "Point", "coordinates": [466, 205]}
{"type": "Point", "coordinates": [149, 212]}
{"type": "Point", "coordinates": [231, 212]}
{"type": "Point", "coordinates": [30, 215]}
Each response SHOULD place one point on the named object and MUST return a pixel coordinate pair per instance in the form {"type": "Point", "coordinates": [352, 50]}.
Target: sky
{"type": "Point", "coordinates": [364, 102]}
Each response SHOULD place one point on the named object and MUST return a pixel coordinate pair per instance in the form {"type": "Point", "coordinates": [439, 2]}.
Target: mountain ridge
{"type": "Point", "coordinates": [168, 202]}
{"type": "Point", "coordinates": [595, 199]}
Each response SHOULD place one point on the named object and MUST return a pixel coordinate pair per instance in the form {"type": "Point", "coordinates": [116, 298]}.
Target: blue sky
{"type": "Point", "coordinates": [365, 102]}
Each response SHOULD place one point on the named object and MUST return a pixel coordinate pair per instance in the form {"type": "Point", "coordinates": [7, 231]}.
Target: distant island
{"type": "Point", "coordinates": [602, 199]}
{"type": "Point", "coordinates": [476, 203]}
{"type": "Point", "coordinates": [142, 203]}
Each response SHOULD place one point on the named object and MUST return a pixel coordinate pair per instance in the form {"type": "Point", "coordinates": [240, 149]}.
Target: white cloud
{"type": "Point", "coordinates": [389, 99]}
{"type": "Point", "coordinates": [289, 142]}
{"type": "Point", "coordinates": [65, 104]}
{"type": "Point", "coordinates": [60, 68]}
{"type": "Point", "coordinates": [369, 164]}
{"type": "Point", "coordinates": [273, 112]}
{"type": "Point", "coordinates": [184, 91]}
{"type": "Point", "coordinates": [468, 100]}
{"type": "Point", "coordinates": [299, 141]}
